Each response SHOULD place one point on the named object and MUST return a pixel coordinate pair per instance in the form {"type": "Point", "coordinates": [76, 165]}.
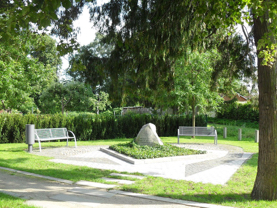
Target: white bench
{"type": "Point", "coordinates": [53, 134]}
{"type": "Point", "coordinates": [197, 131]}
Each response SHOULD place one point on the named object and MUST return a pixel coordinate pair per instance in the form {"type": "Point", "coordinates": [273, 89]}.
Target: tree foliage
{"type": "Point", "coordinates": [88, 64]}
{"type": "Point", "coordinates": [193, 82]}
{"type": "Point", "coordinates": [22, 75]}
{"type": "Point", "coordinates": [60, 97]}
{"type": "Point", "coordinates": [72, 96]}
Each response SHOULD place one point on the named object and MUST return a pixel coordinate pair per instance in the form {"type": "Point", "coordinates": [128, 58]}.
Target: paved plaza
{"type": "Point", "coordinates": [216, 166]}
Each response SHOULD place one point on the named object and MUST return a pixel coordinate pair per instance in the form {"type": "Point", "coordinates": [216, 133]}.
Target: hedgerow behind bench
{"type": "Point", "coordinates": [53, 134]}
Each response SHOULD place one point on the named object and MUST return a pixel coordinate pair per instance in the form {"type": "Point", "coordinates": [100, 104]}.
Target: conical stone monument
{"type": "Point", "coordinates": [148, 136]}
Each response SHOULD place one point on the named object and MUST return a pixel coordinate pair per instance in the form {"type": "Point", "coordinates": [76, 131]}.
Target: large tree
{"type": "Point", "coordinates": [193, 82]}
{"type": "Point", "coordinates": [22, 76]}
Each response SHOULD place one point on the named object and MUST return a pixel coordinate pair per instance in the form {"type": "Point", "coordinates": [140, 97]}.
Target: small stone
{"type": "Point", "coordinates": [148, 136]}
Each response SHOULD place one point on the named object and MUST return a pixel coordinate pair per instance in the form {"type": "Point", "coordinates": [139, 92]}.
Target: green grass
{"type": "Point", "coordinates": [146, 152]}
{"type": "Point", "coordinates": [235, 193]}
{"type": "Point", "coordinates": [15, 156]}
{"type": "Point", "coordinates": [7, 201]}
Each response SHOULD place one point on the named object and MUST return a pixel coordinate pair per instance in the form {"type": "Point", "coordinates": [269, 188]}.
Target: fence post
{"type": "Point", "coordinates": [257, 136]}
{"type": "Point", "coordinates": [239, 135]}
{"type": "Point", "coordinates": [225, 132]}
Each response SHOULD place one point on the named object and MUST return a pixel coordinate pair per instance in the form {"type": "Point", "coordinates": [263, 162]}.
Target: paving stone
{"type": "Point", "coordinates": [94, 184]}
{"type": "Point", "coordinates": [76, 200]}
{"type": "Point", "coordinates": [92, 192]}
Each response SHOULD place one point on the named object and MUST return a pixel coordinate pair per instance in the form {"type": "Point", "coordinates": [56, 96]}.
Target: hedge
{"type": "Point", "coordinates": [235, 111]}
{"type": "Point", "coordinates": [91, 127]}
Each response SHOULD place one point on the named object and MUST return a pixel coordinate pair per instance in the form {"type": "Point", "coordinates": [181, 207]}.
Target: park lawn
{"type": "Point", "coordinates": [235, 193]}
{"type": "Point", "coordinates": [15, 156]}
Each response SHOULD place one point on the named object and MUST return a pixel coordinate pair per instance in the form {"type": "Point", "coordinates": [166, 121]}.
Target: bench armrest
{"type": "Point", "coordinates": [73, 136]}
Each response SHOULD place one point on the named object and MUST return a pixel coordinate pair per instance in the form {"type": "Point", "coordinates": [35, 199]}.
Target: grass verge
{"type": "Point", "coordinates": [12, 202]}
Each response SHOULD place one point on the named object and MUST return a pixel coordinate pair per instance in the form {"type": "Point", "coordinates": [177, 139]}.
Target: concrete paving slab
{"type": "Point", "coordinates": [220, 174]}
{"type": "Point", "coordinates": [121, 181]}
{"type": "Point", "coordinates": [80, 200]}
{"type": "Point", "coordinates": [94, 184]}
{"type": "Point", "coordinates": [126, 175]}
{"type": "Point", "coordinates": [92, 192]}
{"type": "Point", "coordinates": [53, 204]}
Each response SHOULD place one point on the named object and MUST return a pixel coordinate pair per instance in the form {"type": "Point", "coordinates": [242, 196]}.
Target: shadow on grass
{"type": "Point", "coordinates": [212, 198]}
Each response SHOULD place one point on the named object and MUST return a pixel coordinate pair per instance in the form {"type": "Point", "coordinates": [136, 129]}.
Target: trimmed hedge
{"type": "Point", "coordinates": [90, 127]}
{"type": "Point", "coordinates": [235, 111]}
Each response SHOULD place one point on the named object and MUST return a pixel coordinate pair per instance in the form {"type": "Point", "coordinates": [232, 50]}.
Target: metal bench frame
{"type": "Point", "coordinates": [53, 134]}
{"type": "Point", "coordinates": [197, 131]}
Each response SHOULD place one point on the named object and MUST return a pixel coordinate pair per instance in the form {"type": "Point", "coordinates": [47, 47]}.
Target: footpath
{"type": "Point", "coordinates": [43, 191]}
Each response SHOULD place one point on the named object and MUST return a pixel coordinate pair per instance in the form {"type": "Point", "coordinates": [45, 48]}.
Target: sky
{"type": "Point", "coordinates": [86, 36]}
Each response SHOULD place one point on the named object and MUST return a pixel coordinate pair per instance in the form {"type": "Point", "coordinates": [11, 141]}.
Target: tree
{"type": "Point", "coordinates": [88, 65]}
{"type": "Point", "coordinates": [193, 77]}
{"type": "Point", "coordinates": [22, 76]}
{"type": "Point", "coordinates": [100, 102]}
{"type": "Point", "coordinates": [37, 15]}
{"type": "Point", "coordinates": [59, 97]}
{"type": "Point", "coordinates": [45, 50]}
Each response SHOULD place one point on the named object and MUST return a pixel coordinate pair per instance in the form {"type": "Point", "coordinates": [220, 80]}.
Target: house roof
{"type": "Point", "coordinates": [239, 97]}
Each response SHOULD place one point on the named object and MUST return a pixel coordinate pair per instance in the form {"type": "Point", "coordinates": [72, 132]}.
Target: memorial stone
{"type": "Point", "coordinates": [148, 136]}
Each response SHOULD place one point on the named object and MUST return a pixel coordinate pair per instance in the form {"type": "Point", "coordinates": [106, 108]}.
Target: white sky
{"type": "Point", "coordinates": [86, 36]}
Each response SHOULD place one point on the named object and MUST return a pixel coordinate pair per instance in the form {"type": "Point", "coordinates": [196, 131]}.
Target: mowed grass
{"type": "Point", "coordinates": [16, 156]}
{"type": "Point", "coordinates": [7, 201]}
{"type": "Point", "coordinates": [235, 193]}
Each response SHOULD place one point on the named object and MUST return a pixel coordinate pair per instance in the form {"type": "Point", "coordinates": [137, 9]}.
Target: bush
{"type": "Point", "coordinates": [92, 127]}
{"type": "Point", "coordinates": [239, 123]}
{"type": "Point", "coordinates": [236, 111]}
{"type": "Point", "coordinates": [145, 152]}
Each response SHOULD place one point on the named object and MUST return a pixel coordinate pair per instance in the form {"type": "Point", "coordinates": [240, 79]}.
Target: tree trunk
{"type": "Point", "coordinates": [193, 115]}
{"type": "Point", "coordinates": [62, 104]}
{"type": "Point", "coordinates": [265, 187]}
{"type": "Point", "coordinates": [3, 105]}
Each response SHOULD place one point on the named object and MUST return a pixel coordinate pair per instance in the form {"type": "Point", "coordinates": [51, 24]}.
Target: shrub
{"type": "Point", "coordinates": [236, 111]}
{"type": "Point", "coordinates": [145, 152]}
{"type": "Point", "coordinates": [92, 127]}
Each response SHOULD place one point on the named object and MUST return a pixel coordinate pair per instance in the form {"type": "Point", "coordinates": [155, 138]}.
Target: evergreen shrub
{"type": "Point", "coordinates": [236, 111]}
{"type": "Point", "coordinates": [91, 127]}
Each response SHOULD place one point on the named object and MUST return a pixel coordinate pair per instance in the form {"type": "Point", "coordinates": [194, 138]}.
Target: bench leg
{"type": "Point", "coordinates": [215, 140]}
{"type": "Point", "coordinates": [178, 136]}
{"type": "Point", "coordinates": [39, 145]}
